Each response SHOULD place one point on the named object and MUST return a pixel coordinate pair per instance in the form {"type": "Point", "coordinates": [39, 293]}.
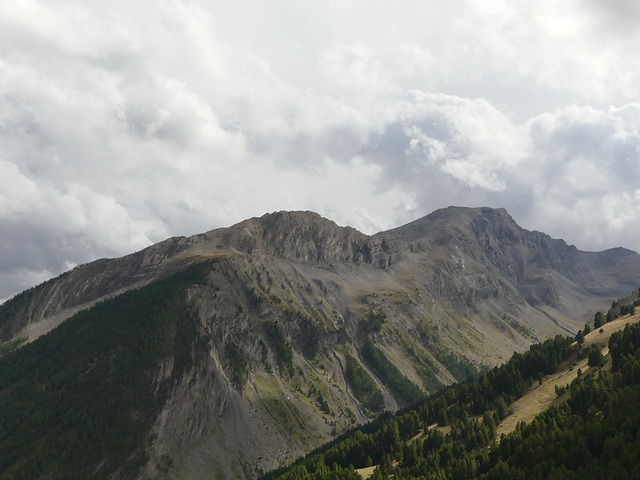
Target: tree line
{"type": "Point", "coordinates": [592, 435]}
{"type": "Point", "coordinates": [78, 403]}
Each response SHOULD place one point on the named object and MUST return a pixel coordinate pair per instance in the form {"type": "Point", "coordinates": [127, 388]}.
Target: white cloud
{"type": "Point", "coordinates": [584, 172]}
{"type": "Point", "coordinates": [122, 123]}
{"type": "Point", "coordinates": [353, 74]}
{"type": "Point", "coordinates": [470, 140]}
{"type": "Point", "coordinates": [18, 195]}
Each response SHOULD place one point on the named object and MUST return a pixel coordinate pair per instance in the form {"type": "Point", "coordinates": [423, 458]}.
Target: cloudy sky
{"type": "Point", "coordinates": [125, 122]}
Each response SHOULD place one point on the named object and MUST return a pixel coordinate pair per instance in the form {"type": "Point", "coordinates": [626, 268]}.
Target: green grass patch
{"type": "Point", "coordinates": [363, 386]}
{"type": "Point", "coordinates": [403, 388]}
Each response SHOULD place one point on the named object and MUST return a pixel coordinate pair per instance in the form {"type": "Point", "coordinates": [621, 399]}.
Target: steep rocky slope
{"type": "Point", "coordinates": [305, 327]}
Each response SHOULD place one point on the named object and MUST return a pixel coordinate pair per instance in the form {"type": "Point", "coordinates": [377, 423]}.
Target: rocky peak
{"type": "Point", "coordinates": [303, 237]}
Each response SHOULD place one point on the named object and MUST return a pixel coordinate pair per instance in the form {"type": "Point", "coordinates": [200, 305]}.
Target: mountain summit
{"type": "Point", "coordinates": [279, 332]}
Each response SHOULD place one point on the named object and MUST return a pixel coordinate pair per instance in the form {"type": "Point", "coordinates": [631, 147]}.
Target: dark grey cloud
{"type": "Point", "coordinates": [616, 15]}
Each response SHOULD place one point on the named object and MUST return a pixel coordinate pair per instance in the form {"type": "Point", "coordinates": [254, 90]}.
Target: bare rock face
{"type": "Point", "coordinates": [293, 302]}
{"type": "Point", "coordinates": [538, 267]}
{"type": "Point", "coordinates": [302, 237]}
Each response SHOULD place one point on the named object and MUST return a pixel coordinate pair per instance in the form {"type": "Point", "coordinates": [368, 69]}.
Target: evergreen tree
{"type": "Point", "coordinates": [599, 320]}
{"type": "Point", "coordinates": [595, 358]}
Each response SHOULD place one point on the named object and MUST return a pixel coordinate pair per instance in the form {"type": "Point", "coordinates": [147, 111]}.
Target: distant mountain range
{"type": "Point", "coordinates": [230, 352]}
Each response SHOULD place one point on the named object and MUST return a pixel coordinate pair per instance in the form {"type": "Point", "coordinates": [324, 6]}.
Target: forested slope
{"type": "Point", "coordinates": [88, 392]}
{"type": "Point", "coordinates": [595, 433]}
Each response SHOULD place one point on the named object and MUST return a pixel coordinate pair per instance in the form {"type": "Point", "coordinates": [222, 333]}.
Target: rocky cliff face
{"type": "Point", "coordinates": [292, 304]}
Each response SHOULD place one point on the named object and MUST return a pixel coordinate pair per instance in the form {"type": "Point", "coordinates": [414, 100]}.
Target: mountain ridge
{"type": "Point", "coordinates": [304, 236]}
{"type": "Point", "coordinates": [305, 328]}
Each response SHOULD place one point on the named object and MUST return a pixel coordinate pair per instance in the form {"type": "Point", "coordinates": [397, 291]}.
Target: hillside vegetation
{"type": "Point", "coordinates": [83, 396]}
{"type": "Point", "coordinates": [591, 430]}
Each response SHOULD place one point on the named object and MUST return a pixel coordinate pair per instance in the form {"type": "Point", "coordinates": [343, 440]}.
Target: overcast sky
{"type": "Point", "coordinates": [123, 123]}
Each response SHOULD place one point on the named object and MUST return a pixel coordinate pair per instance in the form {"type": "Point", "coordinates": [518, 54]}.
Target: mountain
{"type": "Point", "coordinates": [566, 409]}
{"type": "Point", "coordinates": [276, 334]}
